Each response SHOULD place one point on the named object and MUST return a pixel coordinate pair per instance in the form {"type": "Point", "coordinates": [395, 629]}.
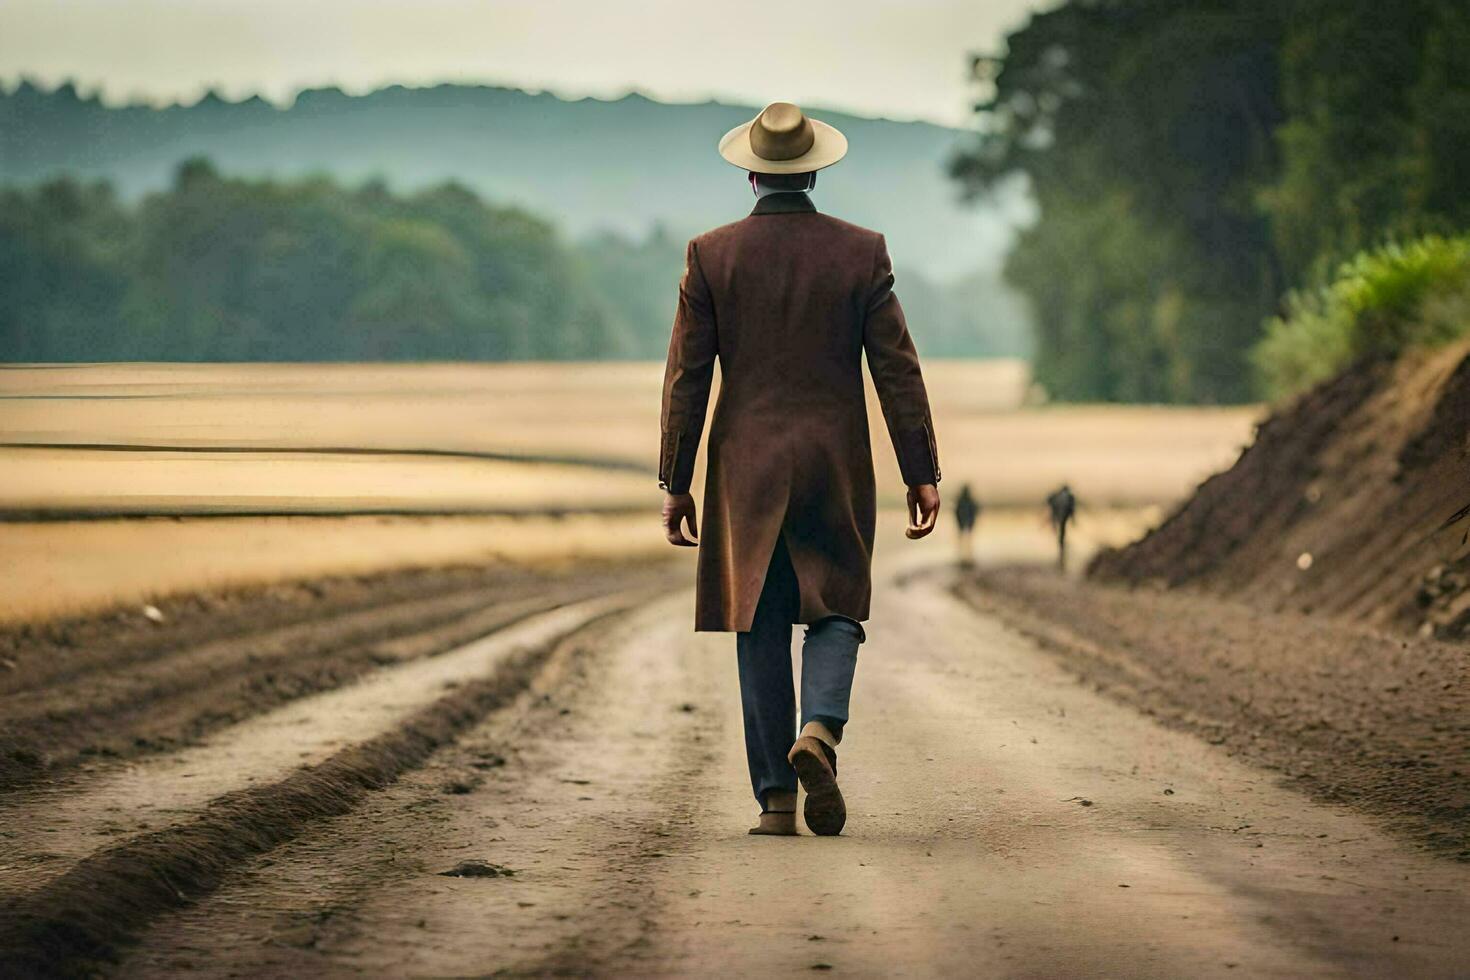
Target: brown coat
{"type": "Point", "coordinates": [789, 300]}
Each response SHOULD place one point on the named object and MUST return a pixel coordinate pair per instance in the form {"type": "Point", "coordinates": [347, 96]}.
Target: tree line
{"type": "Point", "coordinates": [1195, 163]}
{"type": "Point", "coordinates": [225, 269]}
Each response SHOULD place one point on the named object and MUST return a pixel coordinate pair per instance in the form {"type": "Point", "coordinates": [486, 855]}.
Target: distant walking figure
{"type": "Point", "coordinates": [1063, 508]}
{"type": "Point", "coordinates": [789, 301]}
{"type": "Point", "coordinates": [966, 512]}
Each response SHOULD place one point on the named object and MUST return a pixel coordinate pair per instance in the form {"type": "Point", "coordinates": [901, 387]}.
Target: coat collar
{"type": "Point", "coordinates": [787, 203]}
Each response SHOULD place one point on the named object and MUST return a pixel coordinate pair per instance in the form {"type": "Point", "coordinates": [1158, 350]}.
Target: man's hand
{"type": "Point", "coordinates": [923, 510]}
{"type": "Point", "coordinates": [679, 507]}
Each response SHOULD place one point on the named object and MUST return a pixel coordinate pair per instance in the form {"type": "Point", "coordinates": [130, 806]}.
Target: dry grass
{"type": "Point", "coordinates": [59, 568]}
{"type": "Point", "coordinates": [592, 412]}
{"type": "Point", "coordinates": [599, 422]}
{"type": "Point", "coordinates": [81, 481]}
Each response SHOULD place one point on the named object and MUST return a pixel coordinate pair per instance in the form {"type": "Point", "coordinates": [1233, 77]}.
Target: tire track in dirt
{"type": "Point", "coordinates": [80, 817]}
{"type": "Point", "coordinates": [171, 700]}
{"type": "Point", "coordinates": [585, 790]}
{"type": "Point", "coordinates": [92, 697]}
{"type": "Point", "coordinates": [48, 652]}
{"type": "Point", "coordinates": [84, 912]}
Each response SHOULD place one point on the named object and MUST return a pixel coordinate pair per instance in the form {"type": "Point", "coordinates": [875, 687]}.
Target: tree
{"type": "Point", "coordinates": [1192, 163]}
{"type": "Point", "coordinates": [64, 249]}
{"type": "Point", "coordinates": [1141, 126]}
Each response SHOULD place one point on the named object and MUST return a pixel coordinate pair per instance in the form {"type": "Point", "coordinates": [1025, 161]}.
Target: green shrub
{"type": "Point", "coordinates": [1381, 302]}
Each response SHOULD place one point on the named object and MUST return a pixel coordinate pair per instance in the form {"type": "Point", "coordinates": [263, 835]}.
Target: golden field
{"type": "Point", "coordinates": [589, 414]}
{"type": "Point", "coordinates": [263, 447]}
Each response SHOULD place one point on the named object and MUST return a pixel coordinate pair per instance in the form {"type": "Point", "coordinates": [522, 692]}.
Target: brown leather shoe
{"type": "Point", "coordinates": [775, 823]}
{"type": "Point", "coordinates": [825, 810]}
{"type": "Point", "coordinates": [778, 815]}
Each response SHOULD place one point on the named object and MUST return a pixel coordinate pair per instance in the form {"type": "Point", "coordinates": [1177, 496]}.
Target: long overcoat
{"type": "Point", "coordinates": [788, 300]}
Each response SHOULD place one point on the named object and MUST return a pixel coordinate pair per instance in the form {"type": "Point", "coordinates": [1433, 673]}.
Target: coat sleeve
{"type": "Point", "coordinates": [687, 377]}
{"type": "Point", "coordinates": [894, 364]}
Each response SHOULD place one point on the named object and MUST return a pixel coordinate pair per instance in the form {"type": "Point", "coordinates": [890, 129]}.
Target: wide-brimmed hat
{"type": "Point", "coordinates": [783, 140]}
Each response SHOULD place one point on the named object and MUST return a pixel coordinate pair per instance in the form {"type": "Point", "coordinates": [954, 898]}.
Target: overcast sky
{"type": "Point", "coordinates": [904, 59]}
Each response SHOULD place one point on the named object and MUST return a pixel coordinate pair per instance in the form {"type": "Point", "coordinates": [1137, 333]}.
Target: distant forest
{"type": "Point", "coordinates": [1195, 163]}
{"type": "Point", "coordinates": [455, 221]}
{"type": "Point", "coordinates": [588, 166]}
{"type": "Point", "coordinates": [217, 268]}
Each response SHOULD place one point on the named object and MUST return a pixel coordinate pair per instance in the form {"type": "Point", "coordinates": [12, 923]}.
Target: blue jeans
{"type": "Point", "coordinates": [828, 661]}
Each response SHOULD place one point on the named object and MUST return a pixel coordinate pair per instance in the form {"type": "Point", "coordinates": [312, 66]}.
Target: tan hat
{"type": "Point", "coordinates": [783, 140]}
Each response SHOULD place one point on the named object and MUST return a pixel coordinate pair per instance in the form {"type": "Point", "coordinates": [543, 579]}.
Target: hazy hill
{"type": "Point", "coordinates": [589, 165]}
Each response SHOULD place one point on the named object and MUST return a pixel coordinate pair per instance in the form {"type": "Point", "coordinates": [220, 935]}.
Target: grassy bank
{"type": "Point", "coordinates": [1379, 304]}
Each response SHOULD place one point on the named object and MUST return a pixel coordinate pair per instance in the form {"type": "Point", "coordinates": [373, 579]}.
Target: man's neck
{"type": "Point", "coordinates": [762, 189]}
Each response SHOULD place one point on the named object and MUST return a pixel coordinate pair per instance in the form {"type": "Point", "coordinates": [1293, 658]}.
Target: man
{"type": "Point", "coordinates": [789, 300]}
{"type": "Point", "coordinates": [966, 512]}
{"type": "Point", "coordinates": [1063, 508]}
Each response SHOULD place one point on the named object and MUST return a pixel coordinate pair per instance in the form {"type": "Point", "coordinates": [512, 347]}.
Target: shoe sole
{"type": "Point", "coordinates": [825, 810]}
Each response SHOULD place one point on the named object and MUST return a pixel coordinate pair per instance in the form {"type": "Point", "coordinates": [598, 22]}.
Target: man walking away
{"type": "Point", "coordinates": [790, 301]}
{"type": "Point", "coordinates": [966, 513]}
{"type": "Point", "coordinates": [1063, 507]}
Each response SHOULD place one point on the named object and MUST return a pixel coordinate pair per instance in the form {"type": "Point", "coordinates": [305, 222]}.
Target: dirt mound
{"type": "Point", "coordinates": [1351, 502]}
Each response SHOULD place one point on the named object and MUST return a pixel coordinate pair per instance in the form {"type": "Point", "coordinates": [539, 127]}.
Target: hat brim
{"type": "Point", "coordinates": [828, 146]}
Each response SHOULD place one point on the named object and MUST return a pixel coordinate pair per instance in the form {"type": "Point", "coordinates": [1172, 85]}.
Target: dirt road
{"type": "Point", "coordinates": [1005, 820]}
